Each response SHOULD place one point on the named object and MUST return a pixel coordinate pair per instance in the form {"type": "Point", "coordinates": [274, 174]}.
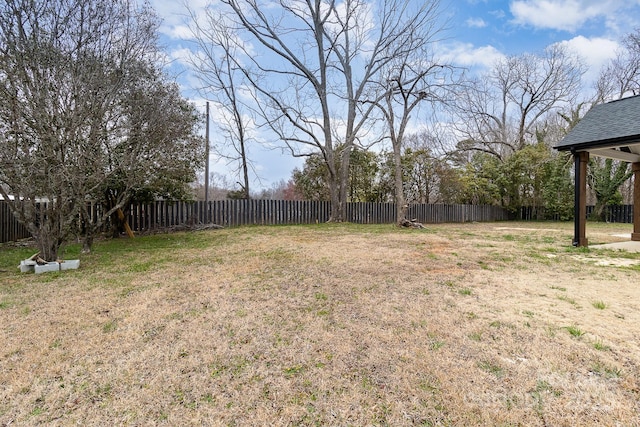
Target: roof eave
{"type": "Point", "coordinates": [603, 143]}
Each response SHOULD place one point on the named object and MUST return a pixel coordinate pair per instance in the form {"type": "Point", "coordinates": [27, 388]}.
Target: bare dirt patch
{"type": "Point", "coordinates": [472, 324]}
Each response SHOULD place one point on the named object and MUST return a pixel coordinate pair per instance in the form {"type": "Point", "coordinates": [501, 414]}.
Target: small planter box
{"type": "Point", "coordinates": [27, 266]}
{"type": "Point", "coordinates": [50, 266]}
{"type": "Point", "coordinates": [71, 264]}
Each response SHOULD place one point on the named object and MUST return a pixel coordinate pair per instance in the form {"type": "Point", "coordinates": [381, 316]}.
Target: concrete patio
{"type": "Point", "coordinates": [626, 245]}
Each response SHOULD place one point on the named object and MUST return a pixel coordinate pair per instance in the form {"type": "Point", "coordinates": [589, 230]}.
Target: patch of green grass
{"type": "Point", "coordinates": [574, 331]}
{"type": "Point", "coordinates": [51, 276]}
{"type": "Point", "coordinates": [483, 265]}
{"type": "Point", "coordinates": [542, 387]}
{"type": "Point", "coordinates": [38, 410]}
{"type": "Point", "coordinates": [235, 366]}
{"type": "Point", "coordinates": [600, 305]}
{"type": "Point", "coordinates": [475, 336]}
{"type": "Point", "coordinates": [110, 326]}
{"type": "Point", "coordinates": [293, 370]}
{"type": "Point", "coordinates": [140, 266]}
{"type": "Point", "coordinates": [545, 386]}
{"type": "Point", "coordinates": [217, 369]}
{"type": "Point", "coordinates": [436, 345]}
{"type": "Point", "coordinates": [434, 342]}
{"type": "Point", "coordinates": [551, 331]}
{"type": "Point", "coordinates": [528, 313]}
{"type": "Point", "coordinates": [114, 253]}
{"type": "Point", "coordinates": [102, 392]}
{"type": "Point", "coordinates": [6, 304]}
{"type": "Point", "coordinates": [606, 371]}
{"type": "Point", "coordinates": [600, 346]}
{"type": "Point", "coordinates": [10, 256]}
{"type": "Point", "coordinates": [430, 385]}
{"type": "Point", "coordinates": [500, 257]}
{"type": "Point", "coordinates": [558, 288]}
{"type": "Point", "coordinates": [544, 257]}
{"type": "Point", "coordinates": [320, 296]}
{"type": "Point", "coordinates": [465, 291]}
{"type": "Point", "coordinates": [580, 249]}
{"type": "Point", "coordinates": [498, 324]}
{"type": "Point", "coordinates": [569, 300]}
{"type": "Point", "coordinates": [491, 367]}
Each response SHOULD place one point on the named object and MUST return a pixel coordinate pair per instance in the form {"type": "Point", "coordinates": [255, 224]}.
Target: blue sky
{"type": "Point", "coordinates": [479, 32]}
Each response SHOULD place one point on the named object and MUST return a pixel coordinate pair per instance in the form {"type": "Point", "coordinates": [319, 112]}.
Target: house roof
{"type": "Point", "coordinates": [608, 130]}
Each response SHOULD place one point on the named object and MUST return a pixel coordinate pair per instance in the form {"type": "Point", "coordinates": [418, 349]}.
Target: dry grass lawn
{"type": "Point", "coordinates": [496, 324]}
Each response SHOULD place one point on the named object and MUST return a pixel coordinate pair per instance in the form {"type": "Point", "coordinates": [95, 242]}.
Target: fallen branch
{"type": "Point", "coordinates": [410, 224]}
{"type": "Point", "coordinates": [196, 227]}
{"type": "Point", "coordinates": [36, 257]}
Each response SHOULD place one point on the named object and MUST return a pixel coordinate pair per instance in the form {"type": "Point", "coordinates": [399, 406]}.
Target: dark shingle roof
{"type": "Point", "coordinates": [612, 124]}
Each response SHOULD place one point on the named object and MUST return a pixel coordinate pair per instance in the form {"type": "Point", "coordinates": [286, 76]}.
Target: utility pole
{"type": "Point", "coordinates": [206, 164]}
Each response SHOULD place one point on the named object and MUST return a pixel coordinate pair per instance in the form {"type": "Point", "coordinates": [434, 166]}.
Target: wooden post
{"type": "Point", "coordinates": [580, 213]}
{"type": "Point", "coordinates": [635, 236]}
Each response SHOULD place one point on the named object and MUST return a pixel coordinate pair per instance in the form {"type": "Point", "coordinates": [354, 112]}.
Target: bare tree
{"type": "Point", "coordinates": [500, 112]}
{"type": "Point", "coordinates": [621, 76]}
{"type": "Point", "coordinates": [414, 78]}
{"type": "Point", "coordinates": [223, 81]}
{"type": "Point", "coordinates": [314, 63]}
{"type": "Point", "coordinates": [85, 116]}
{"type": "Point", "coordinates": [406, 91]}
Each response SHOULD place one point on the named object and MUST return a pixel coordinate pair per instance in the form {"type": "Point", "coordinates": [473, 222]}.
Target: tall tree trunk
{"type": "Point", "coordinates": [401, 207]}
{"type": "Point", "coordinates": [334, 184]}
{"type": "Point", "coordinates": [87, 243]}
{"type": "Point", "coordinates": [343, 183]}
{"type": "Point", "coordinates": [245, 170]}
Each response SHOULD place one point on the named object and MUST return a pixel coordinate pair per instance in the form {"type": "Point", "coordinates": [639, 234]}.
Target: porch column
{"type": "Point", "coordinates": [580, 210]}
{"type": "Point", "coordinates": [636, 201]}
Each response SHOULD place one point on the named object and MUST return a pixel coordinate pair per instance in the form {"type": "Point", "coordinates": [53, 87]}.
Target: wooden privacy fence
{"type": "Point", "coordinates": [230, 213]}
{"type": "Point", "coordinates": [615, 213]}
{"type": "Point", "coordinates": [10, 229]}
{"type": "Point", "coordinates": [385, 213]}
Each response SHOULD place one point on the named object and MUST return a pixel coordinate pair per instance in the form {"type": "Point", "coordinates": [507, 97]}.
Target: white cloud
{"type": "Point", "coordinates": [181, 55]}
{"type": "Point", "coordinates": [175, 16]}
{"type": "Point", "coordinates": [595, 52]}
{"type": "Point", "coordinates": [476, 23]}
{"type": "Point", "coordinates": [568, 15]}
{"type": "Point", "coordinates": [467, 55]}
{"type": "Point", "coordinates": [498, 13]}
